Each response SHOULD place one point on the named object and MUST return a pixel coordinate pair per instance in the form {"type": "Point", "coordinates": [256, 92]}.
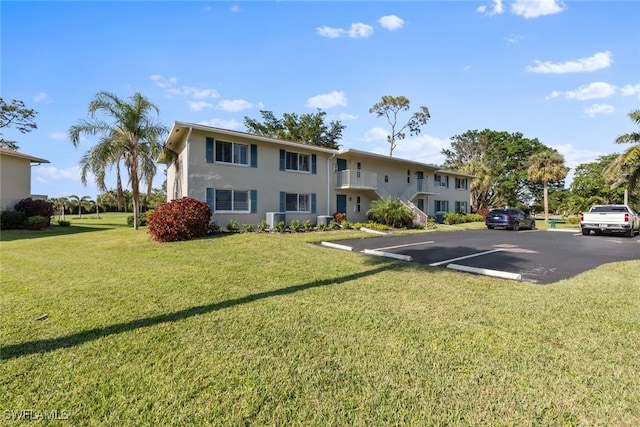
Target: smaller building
{"type": "Point", "coordinates": [15, 177]}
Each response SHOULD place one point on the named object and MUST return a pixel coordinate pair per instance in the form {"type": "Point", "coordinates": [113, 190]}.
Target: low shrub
{"type": "Point", "coordinates": [452, 218]}
{"type": "Point", "coordinates": [573, 220]}
{"type": "Point", "coordinates": [37, 222]}
{"type": "Point", "coordinates": [321, 226]}
{"type": "Point", "coordinates": [358, 225]}
{"type": "Point", "coordinates": [249, 228]}
{"type": "Point", "coordinates": [333, 225]}
{"type": "Point", "coordinates": [180, 219]}
{"type": "Point", "coordinates": [63, 223]}
{"type": "Point", "coordinates": [213, 228]}
{"type": "Point", "coordinates": [233, 226]}
{"type": "Point", "coordinates": [295, 225]}
{"type": "Point", "coordinates": [12, 220]}
{"type": "Point", "coordinates": [376, 226]}
{"type": "Point", "coordinates": [280, 227]}
{"type": "Point", "coordinates": [36, 207]}
{"type": "Point", "coordinates": [142, 220]}
{"type": "Point", "coordinates": [346, 225]}
{"type": "Point", "coordinates": [307, 225]}
{"type": "Point", "coordinates": [483, 212]}
{"type": "Point", "coordinates": [263, 225]}
{"type": "Point", "coordinates": [390, 212]}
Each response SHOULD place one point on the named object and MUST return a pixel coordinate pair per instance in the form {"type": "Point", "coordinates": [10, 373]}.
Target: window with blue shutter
{"type": "Point", "coordinates": [209, 149]}
{"type": "Point", "coordinates": [283, 201]}
{"type": "Point", "coordinates": [313, 202]}
{"type": "Point", "coordinates": [210, 198]}
{"type": "Point", "coordinates": [254, 156]}
{"type": "Point", "coordinates": [314, 161]}
{"type": "Point", "coordinates": [254, 201]}
{"type": "Point", "coordinates": [282, 160]}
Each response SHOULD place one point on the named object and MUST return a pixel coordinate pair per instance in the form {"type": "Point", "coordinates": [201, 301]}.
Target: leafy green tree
{"type": "Point", "coordinates": [389, 107]}
{"type": "Point", "coordinates": [591, 180]}
{"type": "Point", "coordinates": [131, 134]}
{"type": "Point", "coordinates": [499, 160]}
{"type": "Point", "coordinates": [17, 115]}
{"type": "Point", "coordinates": [307, 128]}
{"type": "Point", "coordinates": [627, 165]}
{"type": "Point", "coordinates": [545, 167]}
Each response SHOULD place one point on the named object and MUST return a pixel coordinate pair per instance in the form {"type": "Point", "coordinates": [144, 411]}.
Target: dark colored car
{"type": "Point", "coordinates": [511, 219]}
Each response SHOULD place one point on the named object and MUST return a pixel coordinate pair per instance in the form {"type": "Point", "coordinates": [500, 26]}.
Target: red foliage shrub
{"type": "Point", "coordinates": [338, 217]}
{"type": "Point", "coordinates": [180, 219]}
{"type": "Point", "coordinates": [482, 211]}
{"type": "Point", "coordinates": [31, 207]}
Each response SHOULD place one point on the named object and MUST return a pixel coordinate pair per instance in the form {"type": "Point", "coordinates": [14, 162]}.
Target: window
{"type": "Point", "coordinates": [461, 207]}
{"type": "Point", "coordinates": [386, 178]}
{"type": "Point", "coordinates": [356, 207]}
{"type": "Point", "coordinates": [231, 152]}
{"type": "Point", "coordinates": [297, 162]}
{"type": "Point", "coordinates": [441, 181]}
{"type": "Point", "coordinates": [441, 205]}
{"type": "Point", "coordinates": [408, 177]}
{"type": "Point", "coordinates": [231, 200]}
{"type": "Point", "coordinates": [295, 202]}
{"type": "Point", "coordinates": [462, 183]}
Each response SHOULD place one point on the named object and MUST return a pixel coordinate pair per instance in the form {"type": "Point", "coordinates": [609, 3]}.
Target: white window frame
{"type": "Point", "coordinates": [301, 199]}
{"type": "Point", "coordinates": [442, 183]}
{"type": "Point", "coordinates": [301, 160]}
{"type": "Point", "coordinates": [441, 203]}
{"type": "Point", "coordinates": [234, 201]}
{"type": "Point", "coordinates": [462, 206]}
{"type": "Point", "coordinates": [462, 184]}
{"type": "Point", "coordinates": [236, 153]}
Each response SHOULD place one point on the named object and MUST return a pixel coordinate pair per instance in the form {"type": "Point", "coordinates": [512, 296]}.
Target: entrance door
{"type": "Point", "coordinates": [341, 203]}
{"type": "Point", "coordinates": [420, 178]}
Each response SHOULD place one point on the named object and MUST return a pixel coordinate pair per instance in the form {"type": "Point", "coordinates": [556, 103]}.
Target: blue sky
{"type": "Point", "coordinates": [565, 72]}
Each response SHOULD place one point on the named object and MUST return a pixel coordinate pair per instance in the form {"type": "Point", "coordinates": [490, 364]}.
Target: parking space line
{"type": "Point", "coordinates": [435, 264]}
{"type": "Point", "coordinates": [404, 246]}
{"type": "Point", "coordinates": [486, 272]}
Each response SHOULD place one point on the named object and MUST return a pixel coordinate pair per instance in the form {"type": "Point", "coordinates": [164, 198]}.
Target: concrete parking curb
{"type": "Point", "coordinates": [336, 246]}
{"type": "Point", "coordinates": [388, 255]}
{"type": "Point", "coordinates": [486, 272]}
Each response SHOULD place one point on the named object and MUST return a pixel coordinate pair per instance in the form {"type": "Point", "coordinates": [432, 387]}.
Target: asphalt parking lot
{"type": "Point", "coordinates": [537, 256]}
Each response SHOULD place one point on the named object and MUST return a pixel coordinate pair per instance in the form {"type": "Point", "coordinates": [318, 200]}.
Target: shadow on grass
{"type": "Point", "coordinates": [54, 230]}
{"type": "Point", "coordinates": [69, 341]}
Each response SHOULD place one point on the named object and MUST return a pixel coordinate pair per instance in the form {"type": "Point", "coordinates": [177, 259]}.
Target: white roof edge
{"type": "Point", "coordinates": [31, 158]}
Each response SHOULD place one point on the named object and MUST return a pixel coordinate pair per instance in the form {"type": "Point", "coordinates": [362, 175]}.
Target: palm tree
{"type": "Point", "coordinates": [545, 167]}
{"type": "Point", "coordinates": [132, 137]}
{"type": "Point", "coordinates": [629, 161]}
{"type": "Point", "coordinates": [80, 202]}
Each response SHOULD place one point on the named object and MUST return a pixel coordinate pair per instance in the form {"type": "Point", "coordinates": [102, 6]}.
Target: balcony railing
{"type": "Point", "coordinates": [350, 178]}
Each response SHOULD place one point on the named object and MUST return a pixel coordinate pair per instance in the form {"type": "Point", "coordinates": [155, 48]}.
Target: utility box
{"type": "Point", "coordinates": [324, 219]}
{"type": "Point", "coordinates": [439, 217]}
{"type": "Point", "coordinates": [275, 217]}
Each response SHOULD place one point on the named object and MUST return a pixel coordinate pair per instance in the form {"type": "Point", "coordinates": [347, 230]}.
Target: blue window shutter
{"type": "Point", "coordinates": [254, 156]}
{"type": "Point", "coordinates": [313, 202]}
{"type": "Point", "coordinates": [283, 201]}
{"type": "Point", "coordinates": [209, 150]}
{"type": "Point", "coordinates": [447, 181]}
{"type": "Point", "coordinates": [253, 195]}
{"type": "Point", "coordinates": [314, 168]}
{"type": "Point", "coordinates": [210, 198]}
{"type": "Point", "coordinates": [282, 156]}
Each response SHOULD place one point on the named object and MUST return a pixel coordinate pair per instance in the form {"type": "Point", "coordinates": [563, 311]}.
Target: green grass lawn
{"type": "Point", "coordinates": [272, 329]}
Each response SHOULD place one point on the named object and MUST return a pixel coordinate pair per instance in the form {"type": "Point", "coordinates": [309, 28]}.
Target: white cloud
{"type": "Point", "coordinates": [234, 105]}
{"type": "Point", "coordinates": [42, 96]}
{"type": "Point", "coordinates": [235, 8]}
{"type": "Point", "coordinates": [466, 68]}
{"type": "Point", "coordinates": [330, 32]}
{"type": "Point", "coordinates": [536, 8]}
{"type": "Point", "coordinates": [595, 109]}
{"type": "Point", "coordinates": [222, 123]}
{"type": "Point", "coordinates": [360, 30]}
{"type": "Point", "coordinates": [327, 100]}
{"type": "Point", "coordinates": [198, 105]}
{"type": "Point", "coordinates": [596, 62]}
{"type": "Point", "coordinates": [60, 136]}
{"type": "Point", "coordinates": [391, 22]}
{"type": "Point", "coordinates": [495, 8]}
{"type": "Point", "coordinates": [591, 91]}
{"type": "Point", "coordinates": [162, 82]}
{"type": "Point", "coordinates": [630, 90]}
{"type": "Point", "coordinates": [576, 156]}
{"type": "Point", "coordinates": [357, 30]}
{"type": "Point", "coordinates": [45, 174]}
{"type": "Point", "coordinates": [375, 134]}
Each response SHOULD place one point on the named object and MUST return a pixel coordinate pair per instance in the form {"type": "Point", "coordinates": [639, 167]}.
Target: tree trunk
{"type": "Point", "coordinates": [546, 202]}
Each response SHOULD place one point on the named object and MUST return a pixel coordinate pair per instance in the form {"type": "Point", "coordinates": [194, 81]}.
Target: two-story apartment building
{"type": "Point", "coordinates": [248, 177]}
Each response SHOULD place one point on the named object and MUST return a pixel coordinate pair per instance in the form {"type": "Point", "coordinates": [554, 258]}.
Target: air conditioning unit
{"type": "Point", "coordinates": [275, 217]}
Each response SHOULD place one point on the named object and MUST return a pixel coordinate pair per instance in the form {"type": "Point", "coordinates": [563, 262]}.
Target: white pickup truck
{"type": "Point", "coordinates": [610, 219]}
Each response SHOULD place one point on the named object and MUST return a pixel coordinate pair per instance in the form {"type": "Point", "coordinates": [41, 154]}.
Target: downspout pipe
{"type": "Point", "coordinates": [186, 166]}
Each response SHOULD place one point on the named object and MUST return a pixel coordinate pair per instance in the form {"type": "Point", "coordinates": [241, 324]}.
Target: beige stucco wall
{"type": "Point", "coordinates": [15, 180]}
{"type": "Point", "coordinates": [266, 179]}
